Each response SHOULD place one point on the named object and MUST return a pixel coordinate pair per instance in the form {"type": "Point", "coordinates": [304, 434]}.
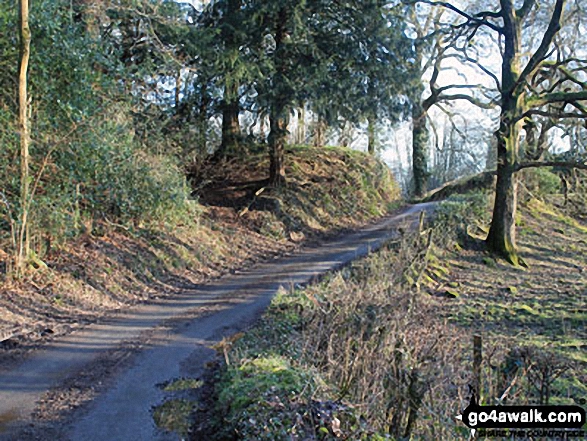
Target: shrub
{"type": "Point", "coordinates": [377, 356]}
{"type": "Point", "coordinates": [86, 161]}
{"type": "Point", "coordinates": [117, 180]}
{"type": "Point", "coordinates": [456, 213]}
{"type": "Point", "coordinates": [541, 182]}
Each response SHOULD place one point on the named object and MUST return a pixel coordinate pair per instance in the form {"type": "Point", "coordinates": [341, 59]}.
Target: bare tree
{"type": "Point", "coordinates": [435, 45]}
{"type": "Point", "coordinates": [549, 83]}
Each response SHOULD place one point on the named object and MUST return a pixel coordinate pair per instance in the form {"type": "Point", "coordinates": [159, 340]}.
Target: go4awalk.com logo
{"type": "Point", "coordinates": [566, 421]}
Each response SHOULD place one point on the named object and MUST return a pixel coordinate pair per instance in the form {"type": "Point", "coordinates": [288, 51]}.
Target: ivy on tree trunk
{"type": "Point", "coordinates": [502, 234]}
{"type": "Point", "coordinates": [371, 131]}
{"type": "Point", "coordinates": [278, 123]}
{"type": "Point", "coordinates": [230, 125]}
{"type": "Point", "coordinates": [419, 150]}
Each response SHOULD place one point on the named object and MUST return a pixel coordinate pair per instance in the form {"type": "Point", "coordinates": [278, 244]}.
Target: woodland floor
{"type": "Point", "coordinates": [544, 305]}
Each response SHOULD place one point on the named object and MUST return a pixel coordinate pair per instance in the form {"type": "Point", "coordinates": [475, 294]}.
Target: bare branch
{"type": "Point", "coordinates": [471, 99]}
{"type": "Point", "coordinates": [437, 52]}
{"type": "Point", "coordinates": [451, 118]}
{"type": "Point", "coordinates": [464, 57]}
{"type": "Point", "coordinates": [557, 115]}
{"type": "Point", "coordinates": [542, 52]}
{"type": "Point", "coordinates": [579, 107]}
{"type": "Point", "coordinates": [473, 19]}
{"type": "Point", "coordinates": [569, 76]}
{"type": "Point", "coordinates": [525, 9]}
{"type": "Point", "coordinates": [437, 64]}
{"type": "Point", "coordinates": [488, 14]}
{"type": "Point", "coordinates": [460, 86]}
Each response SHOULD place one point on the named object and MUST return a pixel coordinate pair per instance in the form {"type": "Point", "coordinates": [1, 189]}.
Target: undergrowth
{"type": "Point", "coordinates": [88, 167]}
{"type": "Point", "coordinates": [327, 189]}
{"type": "Point", "coordinates": [154, 241]}
{"type": "Point", "coordinates": [366, 353]}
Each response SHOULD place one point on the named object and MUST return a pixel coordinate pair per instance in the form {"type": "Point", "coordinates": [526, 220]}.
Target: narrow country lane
{"type": "Point", "coordinates": [127, 357]}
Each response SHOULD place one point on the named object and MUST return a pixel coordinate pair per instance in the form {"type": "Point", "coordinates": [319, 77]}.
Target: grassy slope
{"type": "Point", "coordinates": [118, 266]}
{"type": "Point", "coordinates": [544, 305]}
{"type": "Point", "coordinates": [327, 189]}
{"type": "Point", "coordinates": [366, 343]}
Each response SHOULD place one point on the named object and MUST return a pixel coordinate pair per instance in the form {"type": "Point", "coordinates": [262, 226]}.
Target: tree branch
{"type": "Point", "coordinates": [562, 164]}
{"type": "Point", "coordinates": [486, 14]}
{"type": "Point", "coordinates": [460, 86]}
{"type": "Point", "coordinates": [570, 77]}
{"type": "Point", "coordinates": [579, 107]}
{"type": "Point", "coordinates": [553, 27]}
{"type": "Point", "coordinates": [481, 67]}
{"type": "Point", "coordinates": [557, 97]}
{"type": "Point", "coordinates": [474, 19]}
{"type": "Point", "coordinates": [462, 96]}
{"type": "Point", "coordinates": [556, 115]}
{"type": "Point", "coordinates": [525, 9]}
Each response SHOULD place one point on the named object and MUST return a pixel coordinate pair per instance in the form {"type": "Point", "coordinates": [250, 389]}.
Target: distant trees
{"type": "Point", "coordinates": [121, 90]}
{"type": "Point", "coordinates": [339, 60]}
{"type": "Point", "coordinates": [344, 59]}
{"type": "Point", "coordinates": [118, 83]}
{"type": "Point", "coordinates": [376, 81]}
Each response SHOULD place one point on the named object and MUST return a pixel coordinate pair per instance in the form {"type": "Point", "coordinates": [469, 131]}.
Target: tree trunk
{"type": "Point", "coordinates": [230, 125]}
{"type": "Point", "coordinates": [346, 134]}
{"type": "Point", "coordinates": [262, 125]}
{"type": "Point", "coordinates": [301, 128]}
{"type": "Point", "coordinates": [320, 132]}
{"type": "Point", "coordinates": [277, 137]}
{"type": "Point", "coordinates": [502, 233]}
{"type": "Point", "coordinates": [177, 91]}
{"type": "Point", "coordinates": [202, 122]}
{"type": "Point", "coordinates": [419, 150]}
{"type": "Point", "coordinates": [231, 130]}
{"type": "Point", "coordinates": [372, 135]}
{"type": "Point", "coordinates": [491, 158]}
{"type": "Point", "coordinates": [278, 118]}
{"type": "Point", "coordinates": [22, 242]}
